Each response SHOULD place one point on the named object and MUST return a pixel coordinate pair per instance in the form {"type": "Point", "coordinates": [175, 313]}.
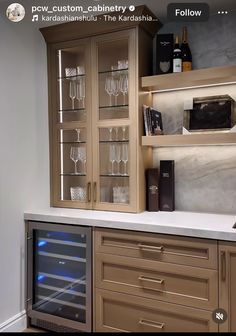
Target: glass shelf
{"type": "Point", "coordinates": [70, 110]}
{"type": "Point", "coordinates": [113, 175]}
{"type": "Point", "coordinates": [73, 174]}
{"type": "Point", "coordinates": [111, 71]}
{"type": "Point", "coordinates": [70, 77]}
{"type": "Point", "coordinates": [113, 141]}
{"type": "Point", "coordinates": [72, 142]}
{"type": "Point", "coordinates": [112, 107]}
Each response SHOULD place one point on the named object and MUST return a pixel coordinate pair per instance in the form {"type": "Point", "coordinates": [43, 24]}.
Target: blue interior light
{"type": "Point", "coordinates": [41, 243]}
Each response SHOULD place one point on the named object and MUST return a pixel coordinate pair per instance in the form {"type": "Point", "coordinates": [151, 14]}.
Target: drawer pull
{"type": "Point", "coordinates": [149, 248]}
{"type": "Point", "coordinates": [150, 323]}
{"type": "Point", "coordinates": [158, 281]}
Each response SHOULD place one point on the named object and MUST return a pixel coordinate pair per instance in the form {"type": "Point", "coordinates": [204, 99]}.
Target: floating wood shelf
{"type": "Point", "coordinates": [189, 140]}
{"type": "Point", "coordinates": [195, 78]}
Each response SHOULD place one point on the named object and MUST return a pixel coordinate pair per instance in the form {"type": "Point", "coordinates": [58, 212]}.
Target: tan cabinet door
{"type": "Point", "coordinates": [116, 312]}
{"type": "Point", "coordinates": [227, 284]}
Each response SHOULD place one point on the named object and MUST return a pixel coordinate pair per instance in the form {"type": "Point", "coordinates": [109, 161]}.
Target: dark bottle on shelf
{"type": "Point", "coordinates": [186, 52]}
{"type": "Point", "coordinates": [177, 56]}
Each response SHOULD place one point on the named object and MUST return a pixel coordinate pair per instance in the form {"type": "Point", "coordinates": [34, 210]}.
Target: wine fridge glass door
{"type": "Point", "coordinates": [60, 284]}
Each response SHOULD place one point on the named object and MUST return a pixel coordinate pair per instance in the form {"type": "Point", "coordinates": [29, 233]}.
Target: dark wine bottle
{"type": "Point", "coordinates": [177, 56]}
{"type": "Point", "coordinates": [186, 52]}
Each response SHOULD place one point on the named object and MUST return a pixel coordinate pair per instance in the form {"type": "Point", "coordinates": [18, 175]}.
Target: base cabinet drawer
{"type": "Point", "coordinates": [184, 285]}
{"type": "Point", "coordinates": [116, 312]}
{"type": "Point", "coordinates": [150, 246]}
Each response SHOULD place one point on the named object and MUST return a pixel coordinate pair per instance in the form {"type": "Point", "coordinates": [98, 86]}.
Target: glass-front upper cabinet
{"type": "Point", "coordinates": [95, 110]}
{"type": "Point", "coordinates": [73, 155]}
{"type": "Point", "coordinates": [116, 80]}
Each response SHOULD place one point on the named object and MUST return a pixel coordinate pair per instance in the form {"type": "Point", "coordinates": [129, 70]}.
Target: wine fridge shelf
{"type": "Point", "coordinates": [81, 281]}
{"type": "Point", "coordinates": [62, 302]}
{"type": "Point", "coordinates": [62, 290]}
{"type": "Point", "coordinates": [62, 242]}
{"type": "Point", "coordinates": [61, 256]}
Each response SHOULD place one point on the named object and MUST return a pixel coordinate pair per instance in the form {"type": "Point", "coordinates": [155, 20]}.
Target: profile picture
{"type": "Point", "coordinates": [15, 12]}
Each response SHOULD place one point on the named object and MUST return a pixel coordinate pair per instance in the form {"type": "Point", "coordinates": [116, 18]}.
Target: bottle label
{"type": "Point", "coordinates": [177, 65]}
{"type": "Point", "coordinates": [187, 66]}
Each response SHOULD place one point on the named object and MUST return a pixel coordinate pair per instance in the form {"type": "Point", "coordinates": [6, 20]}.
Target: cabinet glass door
{"type": "Point", "coordinates": [72, 138]}
{"type": "Point", "coordinates": [113, 79]}
{"type": "Point", "coordinates": [114, 164]}
{"type": "Point", "coordinates": [116, 88]}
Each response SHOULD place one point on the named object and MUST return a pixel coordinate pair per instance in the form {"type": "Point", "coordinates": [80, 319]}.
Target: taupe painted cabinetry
{"type": "Point", "coordinates": [152, 282]}
{"type": "Point", "coordinates": [227, 284]}
{"type": "Point", "coordinates": [95, 111]}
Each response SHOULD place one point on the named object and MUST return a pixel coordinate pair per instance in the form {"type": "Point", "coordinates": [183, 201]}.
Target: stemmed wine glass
{"type": "Point", "coordinates": [82, 157]}
{"type": "Point", "coordinates": [75, 156]}
{"type": "Point", "coordinates": [110, 132]}
{"type": "Point", "coordinates": [123, 133]}
{"type": "Point", "coordinates": [112, 156]}
{"type": "Point", "coordinates": [80, 90]}
{"type": "Point", "coordinates": [125, 156]}
{"type": "Point", "coordinates": [118, 157]}
{"type": "Point", "coordinates": [72, 93]}
{"type": "Point", "coordinates": [78, 130]}
{"type": "Point", "coordinates": [108, 88]}
{"type": "Point", "coordinates": [115, 88]}
{"type": "Point", "coordinates": [123, 85]}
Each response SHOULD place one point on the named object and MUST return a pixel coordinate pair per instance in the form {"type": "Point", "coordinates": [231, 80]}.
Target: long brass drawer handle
{"type": "Point", "coordinates": [150, 323]}
{"type": "Point", "coordinates": [150, 248]}
{"type": "Point", "coordinates": [223, 265]}
{"type": "Point", "coordinates": [158, 281]}
{"type": "Point", "coordinates": [95, 192]}
{"type": "Point", "coordinates": [89, 191]}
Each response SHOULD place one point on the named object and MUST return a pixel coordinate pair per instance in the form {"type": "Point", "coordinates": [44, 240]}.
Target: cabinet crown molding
{"type": "Point", "coordinates": [81, 29]}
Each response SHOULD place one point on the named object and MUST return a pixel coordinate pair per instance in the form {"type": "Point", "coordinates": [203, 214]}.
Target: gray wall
{"type": "Point", "coordinates": [212, 43]}
{"type": "Point", "coordinates": [24, 169]}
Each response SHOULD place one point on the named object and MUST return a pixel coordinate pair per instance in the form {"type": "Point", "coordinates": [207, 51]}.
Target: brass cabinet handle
{"type": "Point", "coordinates": [149, 248]}
{"type": "Point", "coordinates": [158, 281]}
{"type": "Point", "coordinates": [150, 323]}
{"type": "Point", "coordinates": [223, 265]}
{"type": "Point", "coordinates": [95, 191]}
{"type": "Point", "coordinates": [89, 191]}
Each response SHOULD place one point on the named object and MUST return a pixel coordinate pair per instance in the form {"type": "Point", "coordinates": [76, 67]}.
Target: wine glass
{"type": "Point", "coordinates": [115, 88]}
{"type": "Point", "coordinates": [123, 133]}
{"type": "Point", "coordinates": [108, 88]}
{"type": "Point", "coordinates": [72, 93]}
{"type": "Point", "coordinates": [123, 84]}
{"type": "Point", "coordinates": [82, 157]}
{"type": "Point", "coordinates": [74, 155]}
{"type": "Point", "coordinates": [118, 157]}
{"type": "Point", "coordinates": [117, 133]}
{"type": "Point", "coordinates": [125, 156]}
{"type": "Point", "coordinates": [112, 156]}
{"type": "Point", "coordinates": [80, 90]}
{"type": "Point", "coordinates": [110, 132]}
{"type": "Point", "coordinates": [78, 130]}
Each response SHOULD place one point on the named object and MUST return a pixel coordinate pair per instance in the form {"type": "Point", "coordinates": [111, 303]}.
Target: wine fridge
{"type": "Point", "coordinates": [59, 277]}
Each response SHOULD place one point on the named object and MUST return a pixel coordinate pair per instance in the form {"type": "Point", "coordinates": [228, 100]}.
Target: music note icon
{"type": "Point", "coordinates": [35, 18]}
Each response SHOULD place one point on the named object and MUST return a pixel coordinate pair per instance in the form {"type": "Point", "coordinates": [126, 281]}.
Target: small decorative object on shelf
{"type": "Point", "coordinates": [167, 185]}
{"type": "Point", "coordinates": [152, 189]}
{"type": "Point", "coordinates": [152, 121]}
{"type": "Point", "coordinates": [210, 114]}
{"type": "Point", "coordinates": [164, 54]}
{"type": "Point", "coordinates": [120, 194]}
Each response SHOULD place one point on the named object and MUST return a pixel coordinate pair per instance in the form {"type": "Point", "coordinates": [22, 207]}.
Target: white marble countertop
{"type": "Point", "coordinates": [191, 224]}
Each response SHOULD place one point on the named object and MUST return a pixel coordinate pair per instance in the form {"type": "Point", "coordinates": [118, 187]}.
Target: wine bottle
{"type": "Point", "coordinates": [177, 56]}
{"type": "Point", "coordinates": [186, 53]}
